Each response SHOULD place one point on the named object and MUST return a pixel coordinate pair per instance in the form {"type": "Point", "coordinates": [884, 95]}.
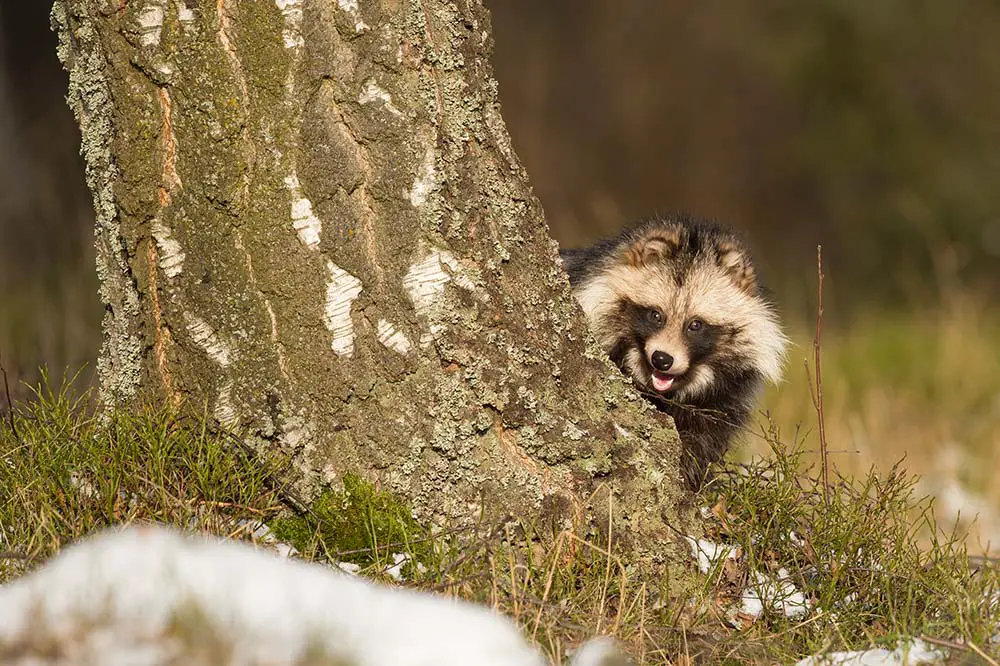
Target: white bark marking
{"type": "Point", "coordinates": [392, 338]}
{"type": "Point", "coordinates": [171, 253]}
{"type": "Point", "coordinates": [292, 11]}
{"type": "Point", "coordinates": [151, 23]}
{"type": "Point", "coordinates": [296, 433]}
{"type": "Point", "coordinates": [424, 183]}
{"type": "Point", "coordinates": [425, 281]}
{"type": "Point", "coordinates": [206, 338]}
{"type": "Point", "coordinates": [372, 92]}
{"type": "Point", "coordinates": [225, 412]}
{"type": "Point", "coordinates": [304, 221]}
{"type": "Point", "coordinates": [341, 291]}
{"type": "Point", "coordinates": [351, 7]}
{"type": "Point", "coordinates": [184, 13]}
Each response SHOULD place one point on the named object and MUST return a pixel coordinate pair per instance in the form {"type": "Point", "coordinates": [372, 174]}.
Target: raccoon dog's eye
{"type": "Point", "coordinates": [654, 315]}
{"type": "Point", "coordinates": [695, 325]}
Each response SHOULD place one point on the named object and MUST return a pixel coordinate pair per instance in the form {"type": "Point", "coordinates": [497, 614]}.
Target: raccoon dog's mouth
{"type": "Point", "coordinates": [663, 381]}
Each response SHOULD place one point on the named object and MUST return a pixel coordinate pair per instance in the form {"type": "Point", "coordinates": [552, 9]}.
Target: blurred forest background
{"type": "Point", "coordinates": [870, 128]}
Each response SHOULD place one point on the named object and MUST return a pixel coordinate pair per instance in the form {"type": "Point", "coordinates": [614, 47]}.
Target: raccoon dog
{"type": "Point", "coordinates": [677, 305]}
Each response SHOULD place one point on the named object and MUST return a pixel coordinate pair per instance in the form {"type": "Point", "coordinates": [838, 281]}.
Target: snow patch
{"type": "Point", "coordinates": [204, 336]}
{"type": "Point", "coordinates": [118, 598]}
{"type": "Point", "coordinates": [776, 594]}
{"type": "Point", "coordinates": [171, 254]}
{"type": "Point", "coordinates": [425, 181]}
{"type": "Point", "coordinates": [912, 652]}
{"type": "Point", "coordinates": [598, 651]}
{"type": "Point", "coordinates": [82, 486]}
{"type": "Point", "coordinates": [708, 553]}
{"type": "Point", "coordinates": [399, 560]}
{"type": "Point", "coordinates": [954, 500]}
{"type": "Point", "coordinates": [304, 221]}
{"type": "Point", "coordinates": [392, 338]}
{"type": "Point", "coordinates": [341, 290]}
{"type": "Point", "coordinates": [349, 568]}
{"type": "Point", "coordinates": [262, 533]}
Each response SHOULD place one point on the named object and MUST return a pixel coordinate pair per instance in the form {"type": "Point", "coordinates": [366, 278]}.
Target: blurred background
{"type": "Point", "coordinates": [870, 128]}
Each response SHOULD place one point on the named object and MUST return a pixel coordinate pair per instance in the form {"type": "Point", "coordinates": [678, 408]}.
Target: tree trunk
{"type": "Point", "coordinates": [310, 217]}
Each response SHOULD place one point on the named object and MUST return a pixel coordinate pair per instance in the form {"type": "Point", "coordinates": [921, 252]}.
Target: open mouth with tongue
{"type": "Point", "coordinates": [662, 381]}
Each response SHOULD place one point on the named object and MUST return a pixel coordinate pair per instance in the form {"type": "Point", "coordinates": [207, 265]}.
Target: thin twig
{"type": "Point", "coordinates": [954, 645]}
{"type": "Point", "coordinates": [982, 563]}
{"type": "Point", "coordinates": [977, 650]}
{"type": "Point", "coordinates": [818, 397]}
{"type": "Point", "coordinates": [960, 645]}
{"type": "Point", "coordinates": [513, 579]}
{"type": "Point", "coordinates": [472, 549]}
{"type": "Point", "coordinates": [10, 405]}
{"type": "Point", "coordinates": [455, 582]}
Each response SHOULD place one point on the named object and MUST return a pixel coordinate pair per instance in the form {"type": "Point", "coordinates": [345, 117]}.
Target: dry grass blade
{"type": "Point", "coordinates": [548, 583]}
{"type": "Point", "coordinates": [817, 361]}
{"type": "Point", "coordinates": [10, 404]}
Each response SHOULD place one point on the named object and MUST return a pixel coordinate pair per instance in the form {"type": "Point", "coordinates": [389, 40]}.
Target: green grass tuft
{"type": "Point", "coordinates": [921, 387]}
{"type": "Point", "coordinates": [855, 551]}
{"type": "Point", "coordinates": [64, 474]}
{"type": "Point", "coordinates": [359, 524]}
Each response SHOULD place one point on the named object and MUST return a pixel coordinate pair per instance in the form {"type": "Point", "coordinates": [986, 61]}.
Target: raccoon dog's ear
{"type": "Point", "coordinates": [654, 247]}
{"type": "Point", "coordinates": [735, 260]}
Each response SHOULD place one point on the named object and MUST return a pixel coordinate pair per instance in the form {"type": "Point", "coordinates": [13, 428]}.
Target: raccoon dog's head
{"type": "Point", "coordinates": [677, 304]}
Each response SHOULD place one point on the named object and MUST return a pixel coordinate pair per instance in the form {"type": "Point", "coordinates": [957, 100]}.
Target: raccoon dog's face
{"type": "Point", "coordinates": [678, 306]}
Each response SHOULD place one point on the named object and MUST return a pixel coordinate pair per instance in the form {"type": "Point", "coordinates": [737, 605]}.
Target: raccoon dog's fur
{"type": "Point", "coordinates": [677, 305]}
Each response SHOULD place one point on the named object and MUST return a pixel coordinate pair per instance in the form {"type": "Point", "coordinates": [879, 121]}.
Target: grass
{"type": "Point", "coordinates": [64, 474]}
{"type": "Point", "coordinates": [921, 387]}
{"type": "Point", "coordinates": [858, 557]}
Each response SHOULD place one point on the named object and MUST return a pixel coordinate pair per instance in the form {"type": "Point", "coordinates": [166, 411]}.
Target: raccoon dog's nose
{"type": "Point", "coordinates": [662, 361]}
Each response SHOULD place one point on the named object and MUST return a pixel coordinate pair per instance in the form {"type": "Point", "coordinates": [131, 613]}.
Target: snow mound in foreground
{"type": "Point", "coordinates": [148, 596]}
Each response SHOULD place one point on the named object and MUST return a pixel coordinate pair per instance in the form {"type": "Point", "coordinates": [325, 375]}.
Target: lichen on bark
{"type": "Point", "coordinates": [312, 219]}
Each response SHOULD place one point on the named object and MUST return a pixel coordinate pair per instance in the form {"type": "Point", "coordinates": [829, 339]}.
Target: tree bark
{"type": "Point", "coordinates": [310, 217]}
